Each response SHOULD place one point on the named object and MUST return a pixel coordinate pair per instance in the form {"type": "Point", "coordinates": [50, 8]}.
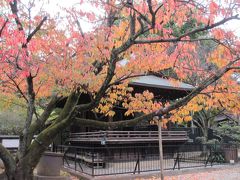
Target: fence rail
{"type": "Point", "coordinates": [98, 161]}
{"type": "Point", "coordinates": [128, 136]}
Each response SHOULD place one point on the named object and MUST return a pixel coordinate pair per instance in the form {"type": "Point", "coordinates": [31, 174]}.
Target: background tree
{"type": "Point", "coordinates": [229, 133]}
{"type": "Point", "coordinates": [206, 120]}
{"type": "Point", "coordinates": [44, 58]}
{"type": "Point", "coordinates": [11, 122]}
{"type": "Point", "coordinates": [12, 116]}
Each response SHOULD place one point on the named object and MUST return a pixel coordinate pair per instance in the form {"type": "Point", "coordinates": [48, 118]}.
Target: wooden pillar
{"type": "Point", "coordinates": [160, 148]}
{"type": "Point", "coordinates": [110, 119]}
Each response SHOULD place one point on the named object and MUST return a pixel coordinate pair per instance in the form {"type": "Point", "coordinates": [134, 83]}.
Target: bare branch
{"type": "Point", "coordinates": [149, 2]}
{"type": "Point", "coordinates": [125, 78]}
{"type": "Point", "coordinates": [36, 125]}
{"type": "Point", "coordinates": [159, 7]}
{"type": "Point", "coordinates": [200, 29]}
{"type": "Point", "coordinates": [112, 125]}
{"type": "Point", "coordinates": [132, 23]}
{"type": "Point", "coordinates": [3, 26]}
{"type": "Point", "coordinates": [145, 18]}
{"type": "Point", "coordinates": [234, 67]}
{"type": "Point", "coordinates": [17, 86]}
{"type": "Point", "coordinates": [14, 9]}
{"type": "Point", "coordinates": [80, 28]}
{"type": "Point", "coordinates": [30, 36]}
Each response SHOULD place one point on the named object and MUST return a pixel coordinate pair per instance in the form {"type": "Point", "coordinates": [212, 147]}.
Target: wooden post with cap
{"type": "Point", "coordinates": [160, 146]}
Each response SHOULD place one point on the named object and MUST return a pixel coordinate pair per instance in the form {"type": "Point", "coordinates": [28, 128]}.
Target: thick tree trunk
{"type": "Point", "coordinates": [23, 173]}
{"type": "Point", "coordinates": [8, 161]}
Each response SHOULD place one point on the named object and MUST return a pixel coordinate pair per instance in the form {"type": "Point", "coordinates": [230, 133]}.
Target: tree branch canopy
{"type": "Point", "coordinates": [196, 91]}
{"type": "Point", "coordinates": [132, 39]}
{"type": "Point", "coordinates": [200, 29]}
{"type": "Point", "coordinates": [160, 112]}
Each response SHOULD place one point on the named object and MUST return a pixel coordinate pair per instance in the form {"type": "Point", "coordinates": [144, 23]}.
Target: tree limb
{"type": "Point", "coordinates": [197, 90]}
{"type": "Point", "coordinates": [3, 26]}
{"type": "Point", "coordinates": [45, 137]}
{"type": "Point", "coordinates": [25, 139]}
{"type": "Point", "coordinates": [18, 87]}
{"type": "Point", "coordinates": [149, 2]}
{"type": "Point", "coordinates": [207, 27]}
{"type": "Point", "coordinates": [126, 45]}
{"type": "Point", "coordinates": [38, 124]}
{"type": "Point", "coordinates": [8, 161]}
{"type": "Point", "coordinates": [112, 125]}
{"type": "Point", "coordinates": [80, 28]}
{"type": "Point", "coordinates": [132, 23]}
{"type": "Point", "coordinates": [30, 36]}
{"type": "Point", "coordinates": [162, 111]}
{"type": "Point", "coordinates": [14, 9]}
{"type": "Point", "coordinates": [143, 17]}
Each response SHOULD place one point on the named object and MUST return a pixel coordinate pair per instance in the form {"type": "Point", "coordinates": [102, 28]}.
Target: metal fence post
{"type": "Point", "coordinates": [92, 162]}
{"type": "Point", "coordinates": [75, 159]}
{"type": "Point", "coordinates": [178, 155]}
{"type": "Point", "coordinates": [138, 163]}
{"type": "Point", "coordinates": [63, 155]}
{"type": "Point", "coordinates": [211, 155]}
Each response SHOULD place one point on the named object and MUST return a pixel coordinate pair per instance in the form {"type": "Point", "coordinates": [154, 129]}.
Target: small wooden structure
{"type": "Point", "coordinates": [11, 142]}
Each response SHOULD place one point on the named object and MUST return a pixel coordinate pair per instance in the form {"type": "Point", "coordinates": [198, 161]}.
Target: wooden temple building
{"type": "Point", "coordinates": [92, 151]}
{"type": "Point", "coordinates": [141, 134]}
{"type": "Point", "coordinates": [163, 90]}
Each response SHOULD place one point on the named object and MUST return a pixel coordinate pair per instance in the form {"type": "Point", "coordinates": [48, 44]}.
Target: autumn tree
{"type": "Point", "coordinates": [44, 59]}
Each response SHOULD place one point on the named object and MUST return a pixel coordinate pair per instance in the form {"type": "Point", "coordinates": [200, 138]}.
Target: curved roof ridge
{"type": "Point", "coordinates": [161, 83]}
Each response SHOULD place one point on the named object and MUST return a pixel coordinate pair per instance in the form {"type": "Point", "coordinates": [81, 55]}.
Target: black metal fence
{"type": "Point", "coordinates": [98, 161]}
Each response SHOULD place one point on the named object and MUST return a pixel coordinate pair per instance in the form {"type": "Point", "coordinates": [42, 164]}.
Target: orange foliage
{"type": "Point", "coordinates": [62, 59]}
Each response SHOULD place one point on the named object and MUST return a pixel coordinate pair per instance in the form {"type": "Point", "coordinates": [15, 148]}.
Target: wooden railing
{"type": "Point", "coordinates": [127, 135]}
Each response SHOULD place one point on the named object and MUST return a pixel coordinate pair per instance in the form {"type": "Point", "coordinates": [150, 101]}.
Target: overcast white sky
{"type": "Point", "coordinates": [54, 6]}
